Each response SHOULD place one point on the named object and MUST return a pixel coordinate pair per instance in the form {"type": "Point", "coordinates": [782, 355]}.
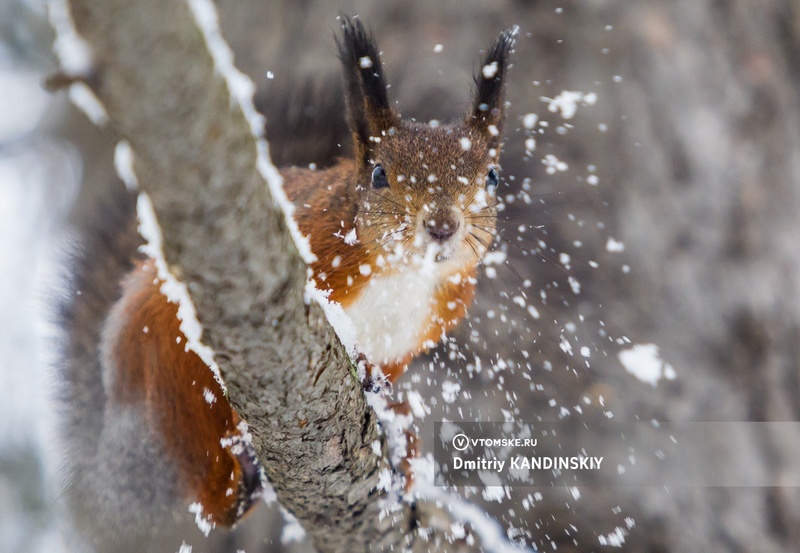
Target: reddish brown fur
{"type": "Point", "coordinates": [329, 205]}
{"type": "Point", "coordinates": [155, 373]}
{"type": "Point", "coordinates": [326, 212]}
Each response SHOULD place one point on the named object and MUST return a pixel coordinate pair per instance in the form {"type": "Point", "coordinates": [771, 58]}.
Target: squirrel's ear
{"type": "Point", "coordinates": [368, 110]}
{"type": "Point", "coordinates": [486, 115]}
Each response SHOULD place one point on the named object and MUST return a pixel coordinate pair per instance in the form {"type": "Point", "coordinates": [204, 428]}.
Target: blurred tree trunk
{"type": "Point", "coordinates": [707, 204]}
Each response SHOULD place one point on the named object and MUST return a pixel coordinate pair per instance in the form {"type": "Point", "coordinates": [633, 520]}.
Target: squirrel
{"type": "Point", "coordinates": [399, 229]}
{"type": "Point", "coordinates": [398, 232]}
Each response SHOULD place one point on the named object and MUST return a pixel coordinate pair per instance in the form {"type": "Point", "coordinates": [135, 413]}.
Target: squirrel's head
{"type": "Point", "coordinates": [424, 191]}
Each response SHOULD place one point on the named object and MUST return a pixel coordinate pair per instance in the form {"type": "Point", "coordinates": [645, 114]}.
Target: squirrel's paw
{"type": "Point", "coordinates": [372, 378]}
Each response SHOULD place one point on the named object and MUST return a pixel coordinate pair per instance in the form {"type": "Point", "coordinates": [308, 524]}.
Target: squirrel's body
{"type": "Point", "coordinates": [398, 232]}
{"type": "Point", "coordinates": [140, 346]}
{"type": "Point", "coordinates": [147, 427]}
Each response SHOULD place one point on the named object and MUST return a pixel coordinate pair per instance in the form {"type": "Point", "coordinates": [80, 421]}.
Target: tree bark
{"type": "Point", "coordinates": [285, 371]}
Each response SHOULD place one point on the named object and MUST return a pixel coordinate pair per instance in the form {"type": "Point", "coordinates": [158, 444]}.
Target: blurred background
{"type": "Point", "coordinates": [651, 175]}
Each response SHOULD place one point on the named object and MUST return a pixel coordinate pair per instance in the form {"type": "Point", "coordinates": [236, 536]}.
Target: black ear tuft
{"type": "Point", "coordinates": [487, 108]}
{"type": "Point", "coordinates": [368, 111]}
{"type": "Point", "coordinates": [361, 60]}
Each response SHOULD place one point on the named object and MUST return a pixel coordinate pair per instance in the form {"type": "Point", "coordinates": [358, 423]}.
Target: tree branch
{"type": "Point", "coordinates": [285, 371]}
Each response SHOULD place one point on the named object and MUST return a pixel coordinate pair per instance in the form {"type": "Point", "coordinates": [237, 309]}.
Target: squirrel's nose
{"type": "Point", "coordinates": [441, 231]}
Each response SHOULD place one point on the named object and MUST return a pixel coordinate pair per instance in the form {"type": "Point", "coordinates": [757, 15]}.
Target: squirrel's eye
{"type": "Point", "coordinates": [379, 179]}
{"type": "Point", "coordinates": [492, 179]}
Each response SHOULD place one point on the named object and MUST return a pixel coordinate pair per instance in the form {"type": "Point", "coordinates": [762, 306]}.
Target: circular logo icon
{"type": "Point", "coordinates": [460, 442]}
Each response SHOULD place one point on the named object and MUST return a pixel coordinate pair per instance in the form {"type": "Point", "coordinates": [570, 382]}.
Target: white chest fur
{"type": "Point", "coordinates": [392, 313]}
